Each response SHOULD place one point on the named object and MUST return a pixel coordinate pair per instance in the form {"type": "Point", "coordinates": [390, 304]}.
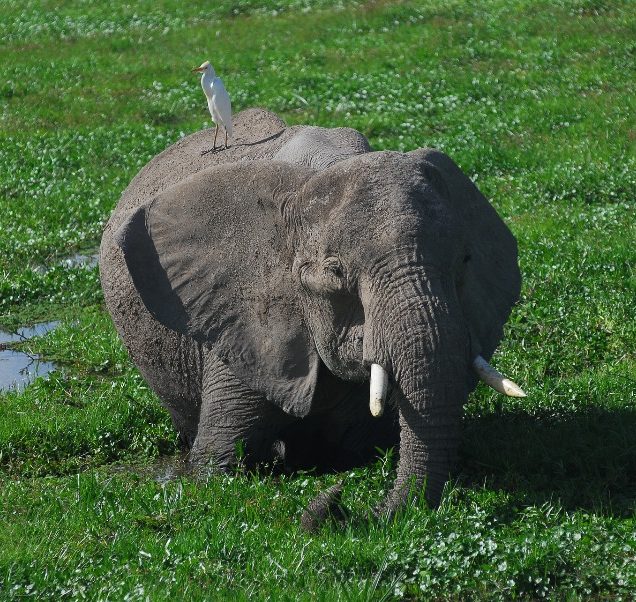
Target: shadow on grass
{"type": "Point", "coordinates": [585, 460]}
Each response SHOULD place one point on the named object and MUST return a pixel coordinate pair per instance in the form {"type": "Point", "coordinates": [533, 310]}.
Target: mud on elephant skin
{"type": "Point", "coordinates": [257, 289]}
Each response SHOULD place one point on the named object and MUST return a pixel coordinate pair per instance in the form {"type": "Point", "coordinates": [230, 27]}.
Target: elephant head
{"type": "Point", "coordinates": [384, 264]}
{"type": "Point", "coordinates": [320, 148]}
{"type": "Point", "coordinates": [408, 273]}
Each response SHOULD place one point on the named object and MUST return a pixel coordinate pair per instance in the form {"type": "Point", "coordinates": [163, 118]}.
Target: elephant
{"type": "Point", "coordinates": [320, 147]}
{"type": "Point", "coordinates": [300, 295]}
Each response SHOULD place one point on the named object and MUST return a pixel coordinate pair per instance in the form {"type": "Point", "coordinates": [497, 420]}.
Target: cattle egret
{"type": "Point", "coordinates": [218, 100]}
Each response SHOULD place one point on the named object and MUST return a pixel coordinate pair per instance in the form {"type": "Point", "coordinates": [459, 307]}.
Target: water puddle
{"type": "Point", "coordinates": [164, 470]}
{"type": "Point", "coordinates": [169, 468]}
{"type": "Point", "coordinates": [19, 369]}
{"type": "Point", "coordinates": [79, 260]}
{"type": "Point", "coordinates": [27, 332]}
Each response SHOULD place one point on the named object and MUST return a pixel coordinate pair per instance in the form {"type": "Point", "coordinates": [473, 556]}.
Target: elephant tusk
{"type": "Point", "coordinates": [495, 379]}
{"type": "Point", "coordinates": [378, 387]}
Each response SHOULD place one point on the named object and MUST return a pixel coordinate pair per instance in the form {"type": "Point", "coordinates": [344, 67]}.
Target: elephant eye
{"type": "Point", "coordinates": [323, 278]}
{"type": "Point", "coordinates": [334, 268]}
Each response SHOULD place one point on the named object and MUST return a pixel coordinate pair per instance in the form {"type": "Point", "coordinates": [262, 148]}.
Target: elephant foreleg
{"type": "Point", "coordinates": [235, 422]}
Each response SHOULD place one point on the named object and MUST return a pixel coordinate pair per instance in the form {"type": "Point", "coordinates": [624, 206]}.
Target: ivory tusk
{"type": "Point", "coordinates": [378, 387]}
{"type": "Point", "coordinates": [495, 379]}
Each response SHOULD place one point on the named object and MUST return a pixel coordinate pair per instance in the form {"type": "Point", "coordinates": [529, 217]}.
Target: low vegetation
{"type": "Point", "coordinates": [535, 100]}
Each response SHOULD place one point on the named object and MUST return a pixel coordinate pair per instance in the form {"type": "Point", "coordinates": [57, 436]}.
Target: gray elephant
{"type": "Point", "coordinates": [260, 288]}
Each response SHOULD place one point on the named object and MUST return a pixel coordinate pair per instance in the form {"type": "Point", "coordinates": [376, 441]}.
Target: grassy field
{"type": "Point", "coordinates": [536, 100]}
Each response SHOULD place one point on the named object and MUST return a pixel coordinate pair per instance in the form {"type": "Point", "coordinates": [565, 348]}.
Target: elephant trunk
{"type": "Point", "coordinates": [419, 335]}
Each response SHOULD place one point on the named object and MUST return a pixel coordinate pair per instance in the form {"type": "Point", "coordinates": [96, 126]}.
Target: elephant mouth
{"type": "Point", "coordinates": [353, 366]}
{"type": "Point", "coordinates": [351, 349]}
{"type": "Point", "coordinates": [349, 353]}
{"type": "Point", "coordinates": [349, 363]}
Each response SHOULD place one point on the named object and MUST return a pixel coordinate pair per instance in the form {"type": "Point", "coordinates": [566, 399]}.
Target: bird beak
{"type": "Point", "coordinates": [199, 69]}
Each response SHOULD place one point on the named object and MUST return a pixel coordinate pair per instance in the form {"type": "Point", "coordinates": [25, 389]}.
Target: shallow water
{"type": "Point", "coordinates": [19, 369]}
{"type": "Point", "coordinates": [79, 260]}
{"type": "Point", "coordinates": [27, 332]}
{"type": "Point", "coordinates": [163, 470]}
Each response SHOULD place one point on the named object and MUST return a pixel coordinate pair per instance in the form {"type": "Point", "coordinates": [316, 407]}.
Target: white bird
{"type": "Point", "coordinates": [218, 100]}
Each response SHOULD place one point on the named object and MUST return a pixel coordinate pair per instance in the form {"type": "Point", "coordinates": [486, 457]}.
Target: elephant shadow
{"type": "Point", "coordinates": [585, 459]}
{"type": "Point", "coordinates": [582, 460]}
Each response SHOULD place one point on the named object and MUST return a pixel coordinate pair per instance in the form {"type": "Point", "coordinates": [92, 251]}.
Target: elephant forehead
{"type": "Point", "coordinates": [365, 178]}
{"type": "Point", "coordinates": [388, 163]}
{"type": "Point", "coordinates": [379, 208]}
{"type": "Point", "coordinates": [387, 188]}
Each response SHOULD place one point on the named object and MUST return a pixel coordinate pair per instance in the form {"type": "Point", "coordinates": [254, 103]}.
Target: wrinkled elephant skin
{"type": "Point", "coordinates": [254, 288]}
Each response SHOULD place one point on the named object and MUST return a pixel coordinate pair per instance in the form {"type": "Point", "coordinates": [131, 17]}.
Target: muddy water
{"type": "Point", "coordinates": [18, 368]}
{"type": "Point", "coordinates": [164, 470]}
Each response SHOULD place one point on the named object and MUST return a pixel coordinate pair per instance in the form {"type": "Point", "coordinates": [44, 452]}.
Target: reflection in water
{"type": "Point", "coordinates": [28, 332]}
{"type": "Point", "coordinates": [17, 368]}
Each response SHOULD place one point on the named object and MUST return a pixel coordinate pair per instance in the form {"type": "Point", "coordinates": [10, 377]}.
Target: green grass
{"type": "Point", "coordinates": [535, 100]}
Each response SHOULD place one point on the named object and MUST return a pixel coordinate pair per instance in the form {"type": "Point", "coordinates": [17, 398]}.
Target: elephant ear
{"type": "Point", "coordinates": [490, 282]}
{"type": "Point", "coordinates": [209, 259]}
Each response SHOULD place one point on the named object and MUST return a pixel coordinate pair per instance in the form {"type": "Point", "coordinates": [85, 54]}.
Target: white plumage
{"type": "Point", "coordinates": [219, 102]}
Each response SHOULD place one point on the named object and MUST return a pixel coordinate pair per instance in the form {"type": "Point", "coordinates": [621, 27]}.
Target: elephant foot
{"type": "Point", "coordinates": [324, 506]}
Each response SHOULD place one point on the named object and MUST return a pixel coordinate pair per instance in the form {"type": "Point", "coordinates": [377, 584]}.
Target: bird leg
{"type": "Point", "coordinates": [225, 138]}
{"type": "Point", "coordinates": [213, 149]}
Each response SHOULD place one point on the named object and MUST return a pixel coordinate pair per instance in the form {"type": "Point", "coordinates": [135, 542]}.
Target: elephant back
{"type": "Point", "coordinates": [258, 134]}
